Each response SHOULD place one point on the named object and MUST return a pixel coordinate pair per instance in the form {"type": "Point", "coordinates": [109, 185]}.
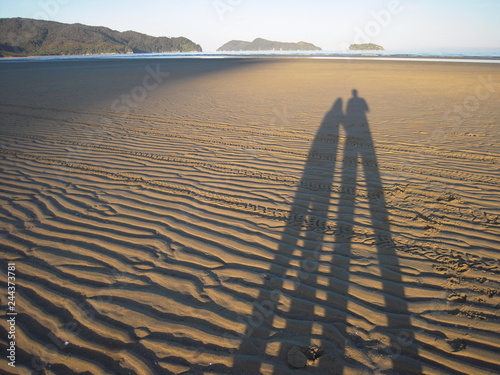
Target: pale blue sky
{"type": "Point", "coordinates": [413, 25]}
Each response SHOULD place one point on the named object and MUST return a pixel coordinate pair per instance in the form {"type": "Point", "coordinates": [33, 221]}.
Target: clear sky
{"type": "Point", "coordinates": [398, 25]}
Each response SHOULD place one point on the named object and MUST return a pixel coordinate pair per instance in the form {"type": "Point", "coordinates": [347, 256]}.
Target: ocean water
{"type": "Point", "coordinates": [484, 56]}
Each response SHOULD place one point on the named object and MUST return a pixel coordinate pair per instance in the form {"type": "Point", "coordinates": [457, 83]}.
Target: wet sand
{"type": "Point", "coordinates": [251, 216]}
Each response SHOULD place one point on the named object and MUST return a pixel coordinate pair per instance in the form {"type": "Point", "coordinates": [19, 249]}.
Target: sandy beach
{"type": "Point", "coordinates": [251, 216]}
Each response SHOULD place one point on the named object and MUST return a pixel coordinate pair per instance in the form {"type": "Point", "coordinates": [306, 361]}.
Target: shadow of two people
{"type": "Point", "coordinates": [297, 270]}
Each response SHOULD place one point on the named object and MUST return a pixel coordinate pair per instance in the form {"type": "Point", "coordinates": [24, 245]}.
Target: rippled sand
{"type": "Point", "coordinates": [244, 216]}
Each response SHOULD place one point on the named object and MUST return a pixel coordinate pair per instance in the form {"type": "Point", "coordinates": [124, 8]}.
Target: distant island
{"type": "Point", "coordinates": [29, 37]}
{"type": "Point", "coordinates": [365, 47]}
{"type": "Point", "coordinates": [260, 44]}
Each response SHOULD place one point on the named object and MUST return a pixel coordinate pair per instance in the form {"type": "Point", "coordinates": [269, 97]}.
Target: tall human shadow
{"type": "Point", "coordinates": [305, 310]}
{"type": "Point", "coordinates": [359, 156]}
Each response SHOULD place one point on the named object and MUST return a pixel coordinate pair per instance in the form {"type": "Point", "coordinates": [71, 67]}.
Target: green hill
{"type": "Point", "coordinates": [260, 44]}
{"type": "Point", "coordinates": [28, 37]}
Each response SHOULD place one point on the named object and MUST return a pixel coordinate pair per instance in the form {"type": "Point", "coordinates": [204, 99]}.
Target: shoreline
{"type": "Point", "coordinates": [208, 55]}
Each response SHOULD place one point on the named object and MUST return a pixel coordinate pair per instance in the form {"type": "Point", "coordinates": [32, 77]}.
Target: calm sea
{"type": "Point", "coordinates": [484, 56]}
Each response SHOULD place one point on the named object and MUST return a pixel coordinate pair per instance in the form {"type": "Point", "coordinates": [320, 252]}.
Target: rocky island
{"type": "Point", "coordinates": [260, 44]}
{"type": "Point", "coordinates": [366, 47]}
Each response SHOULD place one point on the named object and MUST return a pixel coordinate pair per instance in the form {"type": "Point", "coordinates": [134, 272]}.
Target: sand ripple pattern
{"type": "Point", "coordinates": [145, 245]}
